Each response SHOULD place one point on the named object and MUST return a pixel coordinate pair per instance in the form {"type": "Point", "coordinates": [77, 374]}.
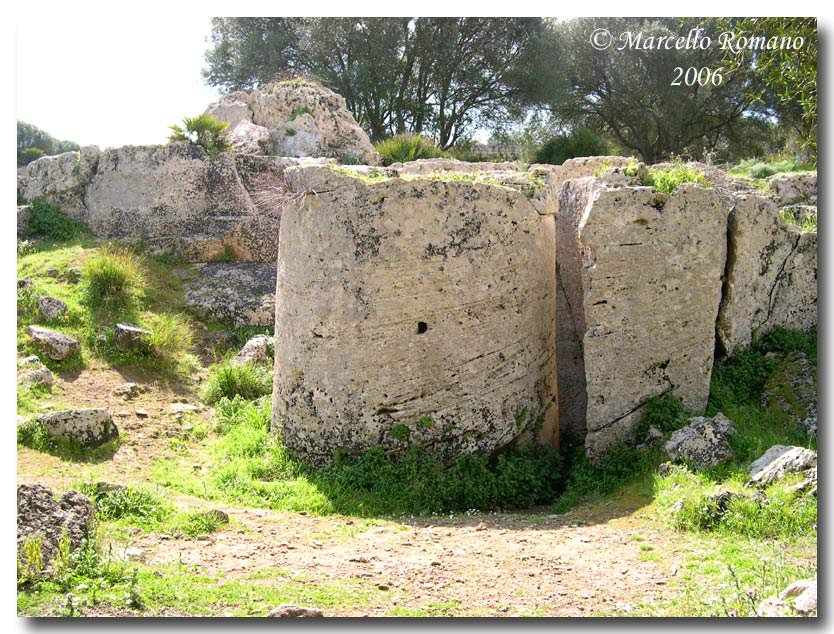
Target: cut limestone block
{"type": "Point", "coordinates": [412, 312]}
{"type": "Point", "coordinates": [771, 276]}
{"type": "Point", "coordinates": [641, 273]}
{"type": "Point", "coordinates": [87, 427]}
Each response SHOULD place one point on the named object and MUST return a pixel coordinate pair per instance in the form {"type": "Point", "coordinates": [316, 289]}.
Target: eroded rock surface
{"type": "Point", "coordinates": [56, 345]}
{"type": "Point", "coordinates": [641, 273]}
{"type": "Point", "coordinates": [792, 189]}
{"type": "Point", "coordinates": [299, 117]}
{"type": "Point", "coordinates": [32, 372]}
{"type": "Point", "coordinates": [703, 442]}
{"type": "Point", "coordinates": [241, 293]}
{"type": "Point", "coordinates": [798, 599]}
{"type": "Point", "coordinates": [259, 349]}
{"type": "Point", "coordinates": [412, 311]}
{"type": "Point", "coordinates": [778, 461]}
{"type": "Point", "coordinates": [87, 427]}
{"type": "Point", "coordinates": [41, 516]}
{"type": "Point", "coordinates": [771, 274]}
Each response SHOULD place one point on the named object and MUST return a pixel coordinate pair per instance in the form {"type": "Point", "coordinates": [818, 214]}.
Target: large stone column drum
{"type": "Point", "coordinates": [412, 312]}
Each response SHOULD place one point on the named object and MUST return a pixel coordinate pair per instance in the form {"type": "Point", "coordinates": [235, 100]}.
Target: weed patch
{"type": "Point", "coordinates": [247, 380]}
{"type": "Point", "coordinates": [48, 221]}
{"type": "Point", "coordinates": [667, 180]}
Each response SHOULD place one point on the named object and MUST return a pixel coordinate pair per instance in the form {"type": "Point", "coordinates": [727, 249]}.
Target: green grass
{"type": "Point", "coordinates": [667, 180]}
{"type": "Point", "coordinates": [408, 147]}
{"type": "Point", "coordinates": [247, 380]}
{"type": "Point", "coordinates": [113, 277]}
{"type": "Point", "coordinates": [118, 284]}
{"type": "Point", "coordinates": [809, 223]}
{"type": "Point", "coordinates": [760, 169]}
{"type": "Point", "coordinates": [250, 466]}
{"type": "Point", "coordinates": [49, 222]}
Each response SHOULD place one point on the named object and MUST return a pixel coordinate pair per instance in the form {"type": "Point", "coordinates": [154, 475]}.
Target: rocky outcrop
{"type": "Point", "coordinates": [794, 188]}
{"type": "Point", "coordinates": [50, 308]}
{"type": "Point", "coordinates": [777, 462]}
{"type": "Point", "coordinates": [61, 180]}
{"type": "Point", "coordinates": [56, 345]}
{"type": "Point", "coordinates": [239, 293]}
{"type": "Point", "coordinates": [578, 168]}
{"type": "Point", "coordinates": [300, 118]}
{"type": "Point", "coordinates": [412, 311]}
{"type": "Point", "coordinates": [259, 349]}
{"type": "Point", "coordinates": [798, 599]}
{"type": "Point", "coordinates": [41, 517]}
{"type": "Point", "coordinates": [704, 442]}
{"type": "Point", "coordinates": [129, 337]}
{"type": "Point", "coordinates": [771, 273]}
{"type": "Point", "coordinates": [174, 197]}
{"type": "Point", "coordinates": [86, 427]}
{"type": "Point", "coordinates": [32, 372]}
{"type": "Point", "coordinates": [641, 276]}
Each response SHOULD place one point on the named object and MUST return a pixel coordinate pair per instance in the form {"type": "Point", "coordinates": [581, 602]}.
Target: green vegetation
{"type": "Point", "coordinates": [33, 434]}
{"type": "Point", "coordinates": [407, 147]}
{"type": "Point", "coordinates": [667, 179]}
{"type": "Point", "coordinates": [253, 467]}
{"type": "Point", "coordinates": [33, 143]}
{"type": "Point", "coordinates": [809, 223]}
{"type": "Point", "coordinates": [758, 169]}
{"type": "Point", "coordinates": [114, 276]}
{"type": "Point", "coordinates": [298, 111]}
{"type": "Point", "coordinates": [48, 221]}
{"type": "Point", "coordinates": [247, 380]}
{"type": "Point", "coordinates": [577, 142]}
{"type": "Point", "coordinates": [203, 130]}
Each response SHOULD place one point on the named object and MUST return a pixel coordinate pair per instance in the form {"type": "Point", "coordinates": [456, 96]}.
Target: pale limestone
{"type": "Point", "coordinates": [641, 273]}
{"type": "Point", "coordinates": [771, 274]}
{"type": "Point", "coordinates": [399, 300]}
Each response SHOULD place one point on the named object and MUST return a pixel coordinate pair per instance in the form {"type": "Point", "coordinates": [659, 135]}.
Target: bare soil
{"type": "Point", "coordinates": [581, 563]}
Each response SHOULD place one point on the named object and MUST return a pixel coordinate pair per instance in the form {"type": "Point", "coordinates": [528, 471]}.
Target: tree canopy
{"type": "Point", "coordinates": [440, 76]}
{"type": "Point", "coordinates": [32, 143]}
{"type": "Point", "coordinates": [447, 77]}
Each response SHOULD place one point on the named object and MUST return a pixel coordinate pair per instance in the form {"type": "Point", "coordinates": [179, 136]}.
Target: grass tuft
{"type": "Point", "coordinates": [408, 147]}
{"type": "Point", "coordinates": [247, 380]}
{"type": "Point", "coordinates": [113, 276]}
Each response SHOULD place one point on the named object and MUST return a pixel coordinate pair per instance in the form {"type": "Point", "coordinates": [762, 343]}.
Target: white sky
{"type": "Point", "coordinates": [116, 82]}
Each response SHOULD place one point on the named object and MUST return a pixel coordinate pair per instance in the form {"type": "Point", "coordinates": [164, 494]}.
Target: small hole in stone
{"type": "Point", "coordinates": [422, 327]}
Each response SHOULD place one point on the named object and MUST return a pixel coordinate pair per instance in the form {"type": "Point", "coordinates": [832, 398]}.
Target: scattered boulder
{"type": "Point", "coordinates": [259, 349]}
{"type": "Point", "coordinates": [52, 272]}
{"type": "Point", "coordinates": [216, 515]}
{"type": "Point", "coordinates": [50, 308]}
{"type": "Point", "coordinates": [789, 395]}
{"type": "Point", "coordinates": [87, 427]}
{"type": "Point", "coordinates": [294, 611]}
{"type": "Point", "coordinates": [56, 345]}
{"type": "Point", "coordinates": [178, 409]}
{"type": "Point", "coordinates": [791, 189]}
{"type": "Point", "coordinates": [128, 337]}
{"type": "Point", "coordinates": [301, 117]}
{"type": "Point", "coordinates": [39, 514]}
{"type": "Point", "coordinates": [32, 372]}
{"type": "Point", "coordinates": [778, 461]}
{"type": "Point", "coordinates": [25, 282]}
{"type": "Point", "coordinates": [128, 390]}
{"type": "Point", "coordinates": [798, 599]}
{"type": "Point", "coordinates": [74, 275]}
{"type": "Point", "coordinates": [703, 442]}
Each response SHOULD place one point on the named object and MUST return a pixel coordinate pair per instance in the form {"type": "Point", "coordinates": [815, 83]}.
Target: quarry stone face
{"type": "Point", "coordinates": [641, 273]}
{"type": "Point", "coordinates": [771, 277]}
{"type": "Point", "coordinates": [412, 311]}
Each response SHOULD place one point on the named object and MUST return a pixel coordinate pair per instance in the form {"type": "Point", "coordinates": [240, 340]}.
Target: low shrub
{"type": "Point", "coordinates": [408, 147]}
{"type": "Point", "coordinates": [171, 339]}
{"type": "Point", "coordinates": [577, 142]}
{"type": "Point", "coordinates": [664, 413]}
{"type": "Point", "coordinates": [138, 504]}
{"type": "Point", "coordinates": [113, 276]}
{"type": "Point", "coordinates": [667, 179]}
{"type": "Point", "coordinates": [48, 221]}
{"type": "Point", "coordinates": [247, 380]}
{"type": "Point", "coordinates": [203, 130]}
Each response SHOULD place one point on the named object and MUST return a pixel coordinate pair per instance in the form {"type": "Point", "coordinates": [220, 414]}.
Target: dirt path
{"type": "Point", "coordinates": [582, 563]}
